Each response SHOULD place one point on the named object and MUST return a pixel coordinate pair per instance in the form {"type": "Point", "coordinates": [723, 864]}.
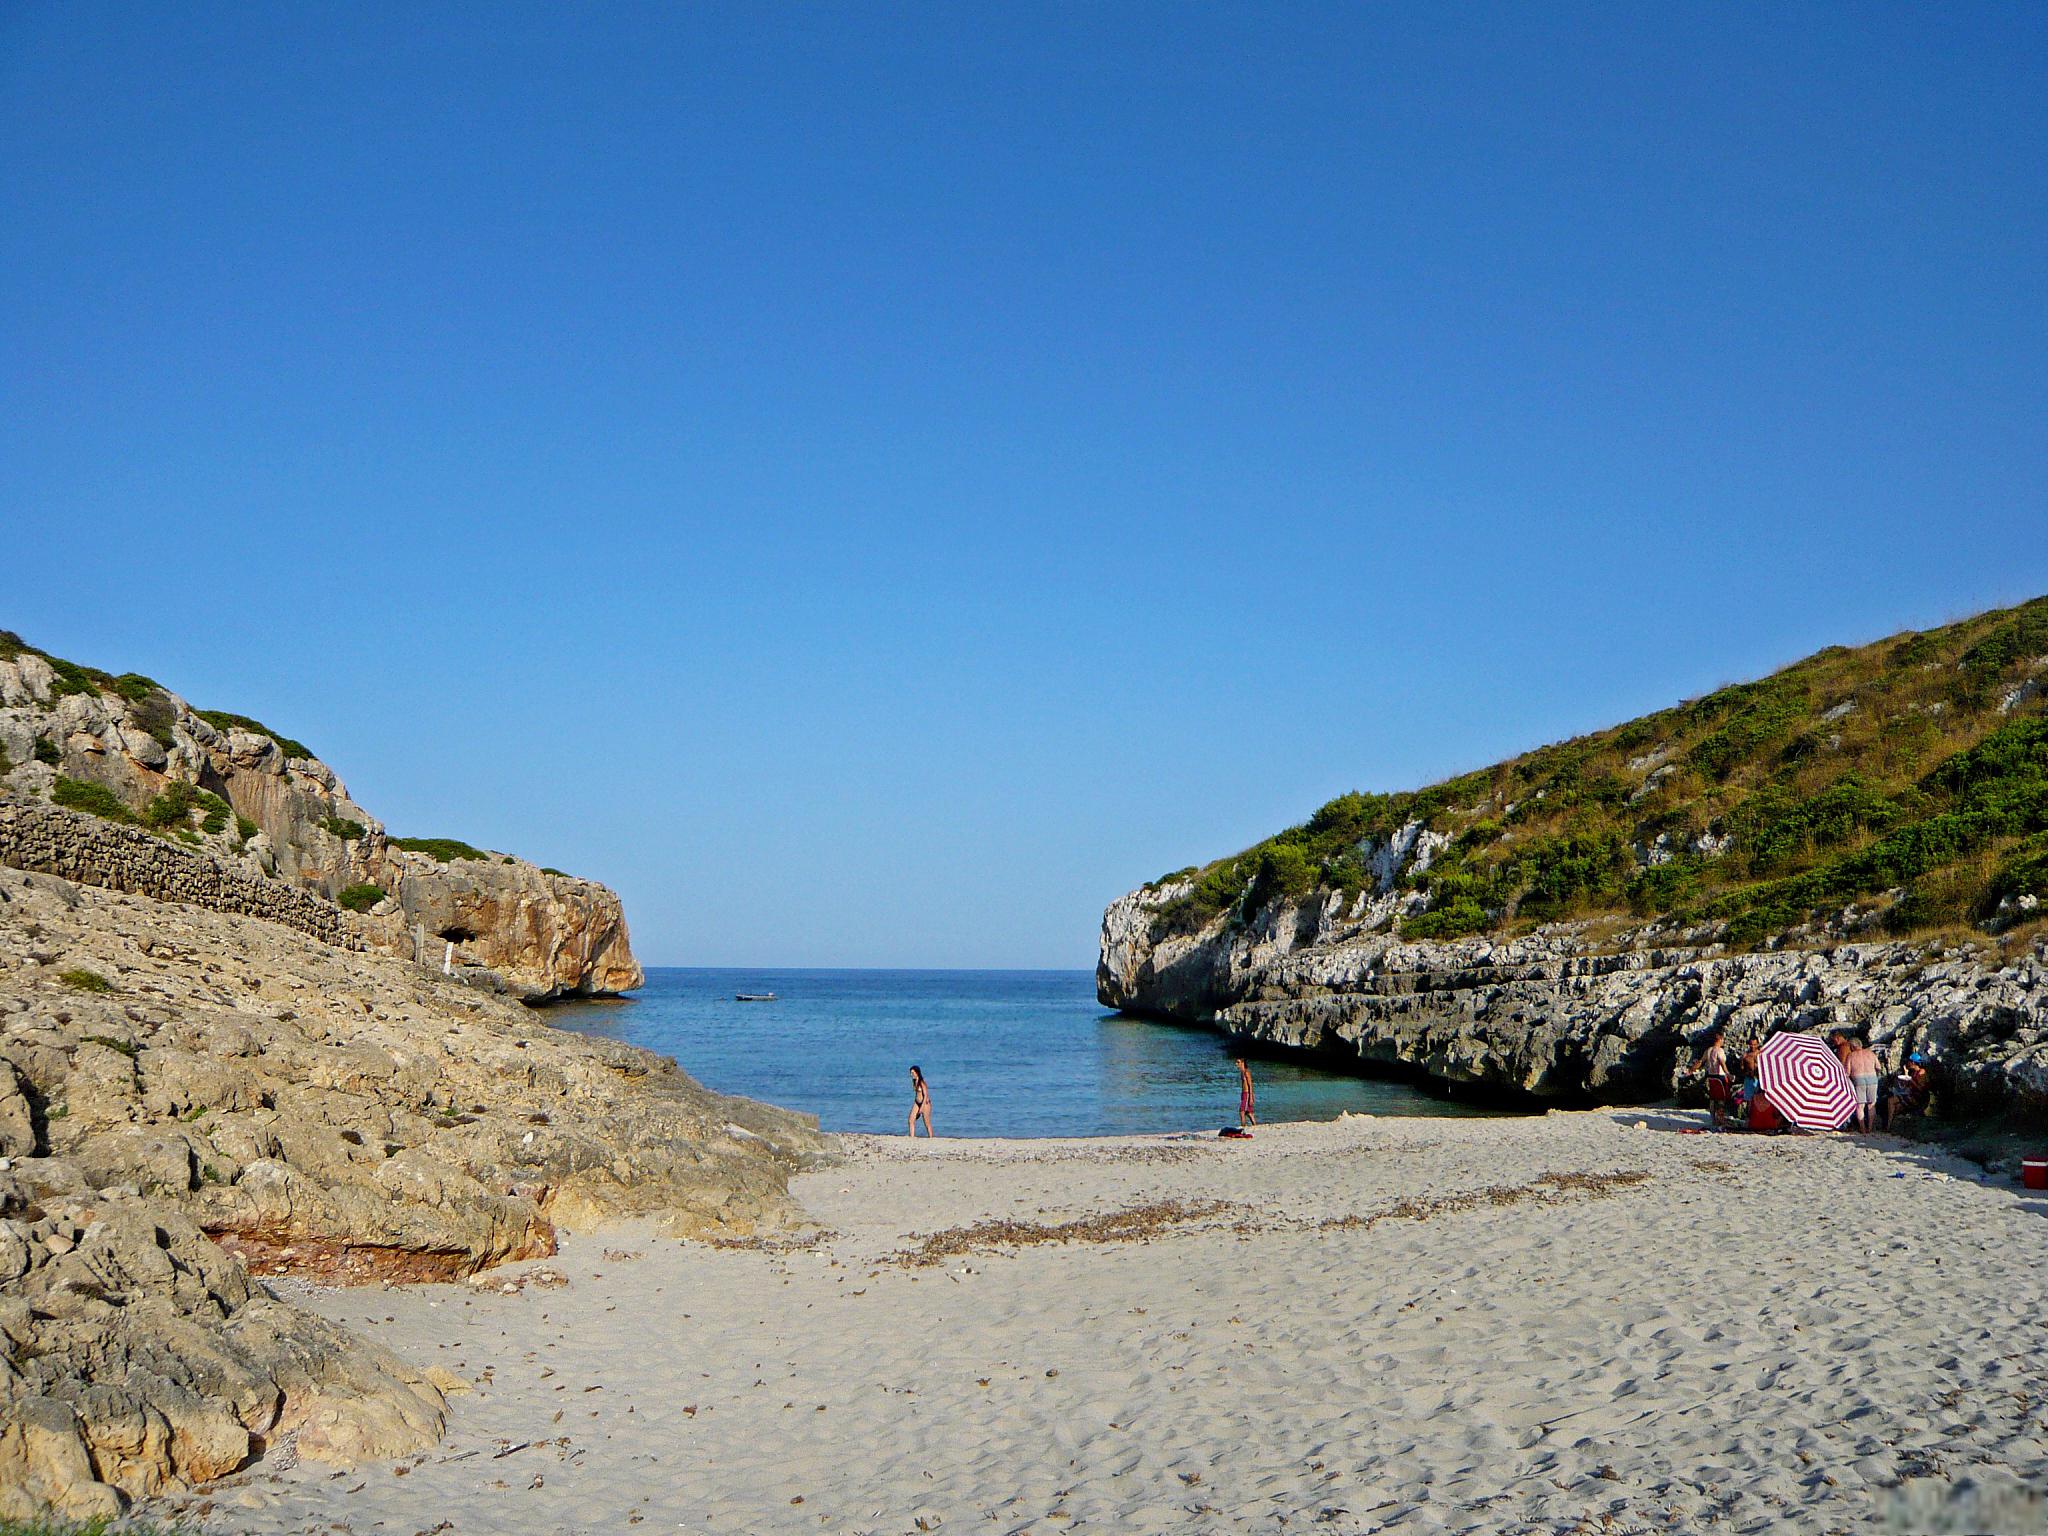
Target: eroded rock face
{"type": "Point", "coordinates": [550, 935]}
{"type": "Point", "coordinates": [545, 934]}
{"type": "Point", "coordinates": [192, 1102]}
{"type": "Point", "coordinates": [1561, 1014]}
{"type": "Point", "coordinates": [141, 1358]}
{"type": "Point", "coordinates": [376, 1118]}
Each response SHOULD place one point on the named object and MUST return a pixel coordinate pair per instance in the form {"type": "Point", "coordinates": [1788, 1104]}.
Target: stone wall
{"type": "Point", "coordinates": [104, 853]}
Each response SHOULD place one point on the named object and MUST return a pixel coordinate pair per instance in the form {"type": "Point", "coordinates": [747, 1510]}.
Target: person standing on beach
{"type": "Point", "coordinates": [1714, 1063]}
{"type": "Point", "coordinates": [1863, 1075]}
{"type": "Point", "coordinates": [920, 1104]}
{"type": "Point", "coordinates": [1247, 1109]}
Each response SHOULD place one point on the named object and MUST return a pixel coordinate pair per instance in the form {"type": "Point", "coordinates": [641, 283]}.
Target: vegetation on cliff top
{"type": "Point", "coordinates": [447, 849]}
{"type": "Point", "coordinates": [172, 811]}
{"type": "Point", "coordinates": [1909, 776]}
{"type": "Point", "coordinates": [151, 700]}
{"type": "Point", "coordinates": [223, 720]}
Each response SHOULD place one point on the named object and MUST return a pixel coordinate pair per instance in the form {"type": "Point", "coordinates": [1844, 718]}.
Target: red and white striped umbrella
{"type": "Point", "coordinates": [1806, 1080]}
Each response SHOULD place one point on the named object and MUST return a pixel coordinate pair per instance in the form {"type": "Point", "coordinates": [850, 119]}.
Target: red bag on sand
{"type": "Point", "coordinates": [1763, 1115]}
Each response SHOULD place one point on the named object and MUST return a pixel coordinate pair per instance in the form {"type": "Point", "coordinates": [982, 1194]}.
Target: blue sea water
{"type": "Point", "coordinates": [1007, 1053]}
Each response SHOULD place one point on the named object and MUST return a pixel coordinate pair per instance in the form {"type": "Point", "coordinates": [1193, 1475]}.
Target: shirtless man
{"type": "Point", "coordinates": [1864, 1072]}
{"type": "Point", "coordinates": [1714, 1063]}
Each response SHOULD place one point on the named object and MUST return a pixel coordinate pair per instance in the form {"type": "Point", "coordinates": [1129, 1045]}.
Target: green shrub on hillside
{"type": "Point", "coordinates": [172, 805]}
{"type": "Point", "coordinates": [1556, 875]}
{"type": "Point", "coordinates": [224, 720]}
{"type": "Point", "coordinates": [71, 678]}
{"type": "Point", "coordinates": [1284, 870]}
{"type": "Point", "coordinates": [2024, 872]}
{"type": "Point", "coordinates": [345, 829]}
{"type": "Point", "coordinates": [81, 980]}
{"type": "Point", "coordinates": [360, 898]}
{"type": "Point", "coordinates": [45, 751]}
{"type": "Point", "coordinates": [96, 799]}
{"type": "Point", "coordinates": [446, 849]}
{"type": "Point", "coordinates": [1774, 830]}
{"type": "Point", "coordinates": [1457, 917]}
{"type": "Point", "coordinates": [215, 812]}
{"type": "Point", "coordinates": [1758, 714]}
{"type": "Point", "coordinates": [154, 712]}
{"type": "Point", "coordinates": [2022, 638]}
{"type": "Point", "coordinates": [1663, 887]}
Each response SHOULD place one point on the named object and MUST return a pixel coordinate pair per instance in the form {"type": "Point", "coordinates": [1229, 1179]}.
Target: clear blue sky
{"type": "Point", "coordinates": [874, 483]}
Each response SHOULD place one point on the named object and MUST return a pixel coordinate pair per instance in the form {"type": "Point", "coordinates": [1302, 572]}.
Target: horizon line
{"type": "Point", "coordinates": [963, 969]}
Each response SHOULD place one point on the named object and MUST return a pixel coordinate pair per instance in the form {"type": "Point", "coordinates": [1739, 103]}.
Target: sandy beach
{"type": "Point", "coordinates": [1579, 1322]}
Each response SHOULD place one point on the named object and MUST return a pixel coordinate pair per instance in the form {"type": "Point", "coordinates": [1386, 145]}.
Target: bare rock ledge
{"type": "Point", "coordinates": [193, 1101]}
{"type": "Point", "coordinates": [1567, 1013]}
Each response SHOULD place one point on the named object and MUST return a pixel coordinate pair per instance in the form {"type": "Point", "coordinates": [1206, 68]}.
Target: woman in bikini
{"type": "Point", "coordinates": [1247, 1110]}
{"type": "Point", "coordinates": [920, 1103]}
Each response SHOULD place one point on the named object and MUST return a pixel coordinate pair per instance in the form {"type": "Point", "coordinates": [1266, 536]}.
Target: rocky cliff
{"type": "Point", "coordinates": [193, 1102]}
{"type": "Point", "coordinates": [222, 1060]}
{"type": "Point", "coordinates": [1859, 839]}
{"type": "Point", "coordinates": [1573, 1011]}
{"type": "Point", "coordinates": [126, 749]}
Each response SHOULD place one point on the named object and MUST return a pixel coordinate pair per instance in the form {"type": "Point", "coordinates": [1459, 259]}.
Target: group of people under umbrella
{"type": "Point", "coordinates": [1815, 1084]}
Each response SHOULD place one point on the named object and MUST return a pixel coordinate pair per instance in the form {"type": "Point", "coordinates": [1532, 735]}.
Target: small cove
{"type": "Point", "coordinates": [1008, 1053]}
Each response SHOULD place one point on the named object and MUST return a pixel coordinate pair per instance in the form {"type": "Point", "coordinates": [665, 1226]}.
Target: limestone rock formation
{"type": "Point", "coordinates": [141, 1358]}
{"type": "Point", "coordinates": [287, 817]}
{"type": "Point", "coordinates": [1564, 923]}
{"type": "Point", "coordinates": [1571, 1011]}
{"type": "Point", "coordinates": [194, 1101]}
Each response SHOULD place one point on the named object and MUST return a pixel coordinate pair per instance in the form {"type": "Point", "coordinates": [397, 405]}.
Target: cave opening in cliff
{"type": "Point", "coordinates": [457, 934]}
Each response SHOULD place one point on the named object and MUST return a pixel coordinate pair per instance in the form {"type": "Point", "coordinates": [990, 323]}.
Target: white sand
{"type": "Point", "coordinates": [1769, 1334]}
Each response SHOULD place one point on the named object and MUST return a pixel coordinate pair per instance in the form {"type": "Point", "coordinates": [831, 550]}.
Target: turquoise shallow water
{"type": "Point", "coordinates": [1008, 1053]}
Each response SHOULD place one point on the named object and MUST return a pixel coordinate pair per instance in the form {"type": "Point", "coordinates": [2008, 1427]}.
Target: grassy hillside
{"type": "Point", "coordinates": [1916, 766]}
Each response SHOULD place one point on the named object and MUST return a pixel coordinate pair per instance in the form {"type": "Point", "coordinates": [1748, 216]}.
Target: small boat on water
{"type": "Point", "coordinates": [753, 997]}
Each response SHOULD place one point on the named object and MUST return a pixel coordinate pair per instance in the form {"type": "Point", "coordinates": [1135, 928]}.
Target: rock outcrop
{"type": "Point", "coordinates": [1571, 1012]}
{"type": "Point", "coordinates": [141, 1358]}
{"type": "Point", "coordinates": [286, 817]}
{"type": "Point", "coordinates": [1860, 838]}
{"type": "Point", "coordinates": [192, 1102]}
